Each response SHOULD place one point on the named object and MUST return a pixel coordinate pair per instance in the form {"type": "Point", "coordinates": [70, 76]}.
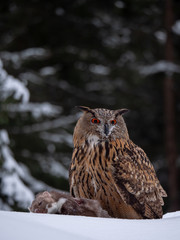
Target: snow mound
{"type": "Point", "coordinates": [34, 226]}
{"type": "Point", "coordinates": [172, 214]}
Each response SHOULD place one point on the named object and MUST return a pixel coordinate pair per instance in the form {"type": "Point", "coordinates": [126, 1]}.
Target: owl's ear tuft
{"type": "Point", "coordinates": [121, 111]}
{"type": "Point", "coordinates": [86, 110]}
{"type": "Point", "coordinates": [83, 108]}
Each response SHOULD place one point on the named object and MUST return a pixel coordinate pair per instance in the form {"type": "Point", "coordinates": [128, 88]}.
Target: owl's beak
{"type": "Point", "coordinates": [106, 129]}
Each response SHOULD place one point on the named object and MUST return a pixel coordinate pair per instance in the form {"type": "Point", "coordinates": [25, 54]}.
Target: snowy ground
{"type": "Point", "coordinates": [28, 226]}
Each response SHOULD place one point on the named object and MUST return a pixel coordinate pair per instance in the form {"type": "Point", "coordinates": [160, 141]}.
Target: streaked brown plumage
{"type": "Point", "coordinates": [108, 166]}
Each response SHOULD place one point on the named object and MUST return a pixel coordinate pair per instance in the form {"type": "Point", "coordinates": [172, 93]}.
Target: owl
{"type": "Point", "coordinates": [107, 166]}
{"type": "Point", "coordinates": [54, 202]}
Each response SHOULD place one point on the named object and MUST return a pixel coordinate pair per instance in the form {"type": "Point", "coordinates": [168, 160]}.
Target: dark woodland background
{"type": "Point", "coordinates": [55, 55]}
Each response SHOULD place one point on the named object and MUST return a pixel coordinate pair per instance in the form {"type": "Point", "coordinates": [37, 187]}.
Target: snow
{"type": "Point", "coordinates": [49, 125]}
{"type": "Point", "coordinates": [15, 189]}
{"type": "Point", "coordinates": [35, 185]}
{"type": "Point", "coordinates": [119, 4]}
{"type": "Point", "coordinates": [4, 138]}
{"type": "Point", "coordinates": [12, 86]}
{"type": "Point", "coordinates": [51, 166]}
{"type": "Point", "coordinates": [160, 66]}
{"type": "Point", "coordinates": [115, 40]}
{"type": "Point", "coordinates": [99, 69]}
{"type": "Point", "coordinates": [176, 27]}
{"type": "Point", "coordinates": [17, 58]}
{"type": "Point", "coordinates": [30, 226]}
{"type": "Point", "coordinates": [10, 163]}
{"type": "Point", "coordinates": [33, 53]}
{"type": "Point", "coordinates": [4, 206]}
{"type": "Point", "coordinates": [31, 77]}
{"type": "Point", "coordinates": [161, 36]}
{"type": "Point", "coordinates": [59, 11]}
{"type": "Point", "coordinates": [61, 137]}
{"type": "Point", "coordinates": [17, 185]}
{"type": "Point", "coordinates": [12, 176]}
{"type": "Point", "coordinates": [37, 109]}
{"type": "Point", "coordinates": [48, 165]}
{"type": "Point", "coordinates": [46, 71]}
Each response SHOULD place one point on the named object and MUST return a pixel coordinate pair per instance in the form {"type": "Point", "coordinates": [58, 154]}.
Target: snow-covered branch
{"type": "Point", "coordinates": [36, 109]}
{"type": "Point", "coordinates": [161, 66]}
{"type": "Point", "coordinates": [11, 176]}
{"type": "Point", "coordinates": [47, 125]}
{"type": "Point", "coordinates": [11, 86]}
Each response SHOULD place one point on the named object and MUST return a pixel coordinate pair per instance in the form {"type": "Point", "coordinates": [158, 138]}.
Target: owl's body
{"type": "Point", "coordinates": [108, 166]}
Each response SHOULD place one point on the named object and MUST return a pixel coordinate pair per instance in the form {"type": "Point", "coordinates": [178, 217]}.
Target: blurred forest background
{"type": "Point", "coordinates": [55, 55]}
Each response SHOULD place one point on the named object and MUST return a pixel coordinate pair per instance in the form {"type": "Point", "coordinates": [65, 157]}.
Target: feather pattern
{"type": "Point", "coordinates": [137, 181]}
{"type": "Point", "coordinates": [107, 166]}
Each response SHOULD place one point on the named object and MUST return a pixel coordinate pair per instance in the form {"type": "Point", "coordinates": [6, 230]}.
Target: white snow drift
{"type": "Point", "coordinates": [49, 226]}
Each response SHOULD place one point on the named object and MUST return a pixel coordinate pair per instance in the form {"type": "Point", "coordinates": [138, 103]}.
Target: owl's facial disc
{"type": "Point", "coordinates": [103, 127]}
{"type": "Point", "coordinates": [99, 124]}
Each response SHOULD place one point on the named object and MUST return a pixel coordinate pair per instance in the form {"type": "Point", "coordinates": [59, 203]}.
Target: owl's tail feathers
{"type": "Point", "coordinates": [153, 208]}
{"type": "Point", "coordinates": [161, 193]}
{"type": "Point", "coordinates": [153, 211]}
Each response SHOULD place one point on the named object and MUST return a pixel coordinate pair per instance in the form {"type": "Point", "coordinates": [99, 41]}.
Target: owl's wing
{"type": "Point", "coordinates": [137, 182]}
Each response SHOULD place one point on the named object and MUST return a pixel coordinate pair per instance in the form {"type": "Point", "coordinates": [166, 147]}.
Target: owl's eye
{"type": "Point", "coordinates": [113, 122]}
{"type": "Point", "coordinates": [95, 120]}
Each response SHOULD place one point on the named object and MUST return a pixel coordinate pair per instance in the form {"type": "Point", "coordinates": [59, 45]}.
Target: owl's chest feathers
{"type": "Point", "coordinates": [92, 141]}
{"type": "Point", "coordinates": [95, 154]}
{"type": "Point", "coordinates": [94, 160]}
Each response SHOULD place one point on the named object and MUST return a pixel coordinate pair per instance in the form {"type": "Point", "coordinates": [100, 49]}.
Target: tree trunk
{"type": "Point", "coordinates": [169, 112]}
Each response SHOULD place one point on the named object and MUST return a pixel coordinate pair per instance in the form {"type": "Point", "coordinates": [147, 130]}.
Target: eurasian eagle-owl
{"type": "Point", "coordinates": [107, 166]}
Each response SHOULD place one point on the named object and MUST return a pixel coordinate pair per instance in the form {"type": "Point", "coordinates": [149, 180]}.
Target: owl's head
{"type": "Point", "coordinates": [100, 124]}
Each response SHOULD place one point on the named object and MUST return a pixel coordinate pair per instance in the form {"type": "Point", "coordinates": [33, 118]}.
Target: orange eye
{"type": "Point", "coordinates": [113, 122]}
{"type": "Point", "coordinates": [95, 120]}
